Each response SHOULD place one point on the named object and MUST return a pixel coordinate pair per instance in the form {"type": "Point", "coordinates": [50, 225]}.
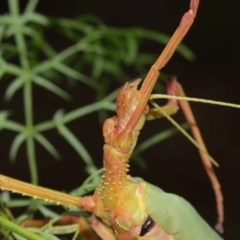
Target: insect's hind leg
{"type": "Point", "coordinates": [174, 88]}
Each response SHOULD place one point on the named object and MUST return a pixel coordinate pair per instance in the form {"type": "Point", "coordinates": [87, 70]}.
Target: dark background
{"type": "Point", "coordinates": [215, 74]}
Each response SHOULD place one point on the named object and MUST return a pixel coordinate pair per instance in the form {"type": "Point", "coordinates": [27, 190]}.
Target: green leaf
{"type": "Point", "coordinates": [47, 145]}
{"type": "Point", "coordinates": [19, 230]}
{"type": "Point", "coordinates": [13, 87]}
{"type": "Point", "coordinates": [11, 125]}
{"type": "Point", "coordinates": [89, 184]}
{"type": "Point", "coordinates": [11, 68]}
{"type": "Point", "coordinates": [163, 39]}
{"type": "Point", "coordinates": [30, 31]}
{"type": "Point", "coordinates": [36, 18]}
{"type": "Point", "coordinates": [157, 138]}
{"type": "Point", "coordinates": [16, 143]}
{"type": "Point", "coordinates": [43, 82]}
{"type": "Point", "coordinates": [46, 212]}
{"type": "Point", "coordinates": [73, 73]}
{"type": "Point", "coordinates": [49, 236]}
{"type": "Point", "coordinates": [74, 142]}
{"type": "Point", "coordinates": [3, 116]}
{"type": "Point", "coordinates": [62, 230]}
{"type": "Point", "coordinates": [31, 6]}
{"type": "Point", "coordinates": [98, 66]}
{"type": "Point", "coordinates": [39, 42]}
{"type": "Point", "coordinates": [131, 52]}
{"type": "Point", "coordinates": [1, 31]}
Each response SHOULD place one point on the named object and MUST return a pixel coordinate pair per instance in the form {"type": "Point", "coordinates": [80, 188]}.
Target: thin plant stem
{"type": "Point", "coordinates": [27, 89]}
{"type": "Point", "coordinates": [74, 115]}
{"type": "Point", "coordinates": [17, 229]}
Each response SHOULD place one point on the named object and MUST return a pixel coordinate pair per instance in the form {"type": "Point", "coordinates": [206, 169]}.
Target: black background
{"type": "Point", "coordinates": [215, 74]}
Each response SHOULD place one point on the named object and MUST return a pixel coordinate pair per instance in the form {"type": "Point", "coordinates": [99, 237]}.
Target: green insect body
{"type": "Point", "coordinates": [177, 217]}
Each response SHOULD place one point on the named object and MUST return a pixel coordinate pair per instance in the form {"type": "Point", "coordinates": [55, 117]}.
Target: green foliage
{"type": "Point", "coordinates": [29, 59]}
{"type": "Point", "coordinates": [88, 53]}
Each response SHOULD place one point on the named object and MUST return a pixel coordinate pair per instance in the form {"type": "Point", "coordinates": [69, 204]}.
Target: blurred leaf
{"type": "Point", "coordinates": [46, 212]}
{"type": "Point", "coordinates": [35, 18]}
{"type": "Point", "coordinates": [16, 143]}
{"type": "Point", "coordinates": [131, 49]}
{"type": "Point", "coordinates": [31, 6]}
{"type": "Point", "coordinates": [89, 184]}
{"type": "Point", "coordinates": [45, 83]}
{"type": "Point", "coordinates": [13, 87]}
{"type": "Point", "coordinates": [156, 139]}
{"type": "Point", "coordinates": [61, 230]}
{"type": "Point", "coordinates": [73, 74]}
{"type": "Point", "coordinates": [19, 230]}
{"type": "Point", "coordinates": [11, 68]}
{"type": "Point", "coordinates": [74, 142]}
{"type": "Point", "coordinates": [49, 236]}
{"type": "Point", "coordinates": [3, 116]}
{"type": "Point", "coordinates": [47, 145]}
{"type": "Point", "coordinates": [182, 49]}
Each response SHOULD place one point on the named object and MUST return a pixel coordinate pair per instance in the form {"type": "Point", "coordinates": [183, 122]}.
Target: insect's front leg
{"type": "Point", "coordinates": [10, 184]}
{"type": "Point", "coordinates": [104, 232]}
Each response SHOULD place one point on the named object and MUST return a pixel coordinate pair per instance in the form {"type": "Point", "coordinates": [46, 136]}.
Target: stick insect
{"type": "Point", "coordinates": [124, 207]}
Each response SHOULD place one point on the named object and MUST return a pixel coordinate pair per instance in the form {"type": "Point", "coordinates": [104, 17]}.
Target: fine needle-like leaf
{"type": "Point", "coordinates": [82, 45]}
{"type": "Point", "coordinates": [4, 115]}
{"type": "Point", "coordinates": [64, 69]}
{"type": "Point", "coordinates": [35, 18]}
{"type": "Point", "coordinates": [13, 87]}
{"type": "Point", "coordinates": [131, 49]}
{"type": "Point", "coordinates": [162, 38]}
{"type": "Point", "coordinates": [11, 125]}
{"type": "Point", "coordinates": [156, 139]}
{"type": "Point", "coordinates": [89, 184]}
{"type": "Point", "coordinates": [43, 82]}
{"type": "Point", "coordinates": [19, 230]}
{"type": "Point", "coordinates": [74, 142]}
{"type": "Point", "coordinates": [47, 212]}
{"type": "Point", "coordinates": [16, 143]}
{"type": "Point", "coordinates": [31, 6]}
{"type": "Point", "coordinates": [47, 145]}
{"type": "Point", "coordinates": [78, 113]}
{"type": "Point", "coordinates": [10, 68]}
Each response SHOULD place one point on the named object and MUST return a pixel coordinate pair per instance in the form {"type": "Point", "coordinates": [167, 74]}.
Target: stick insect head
{"type": "Point", "coordinates": [116, 130]}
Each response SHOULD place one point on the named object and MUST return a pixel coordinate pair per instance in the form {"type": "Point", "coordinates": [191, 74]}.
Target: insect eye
{"type": "Point", "coordinates": [147, 226]}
